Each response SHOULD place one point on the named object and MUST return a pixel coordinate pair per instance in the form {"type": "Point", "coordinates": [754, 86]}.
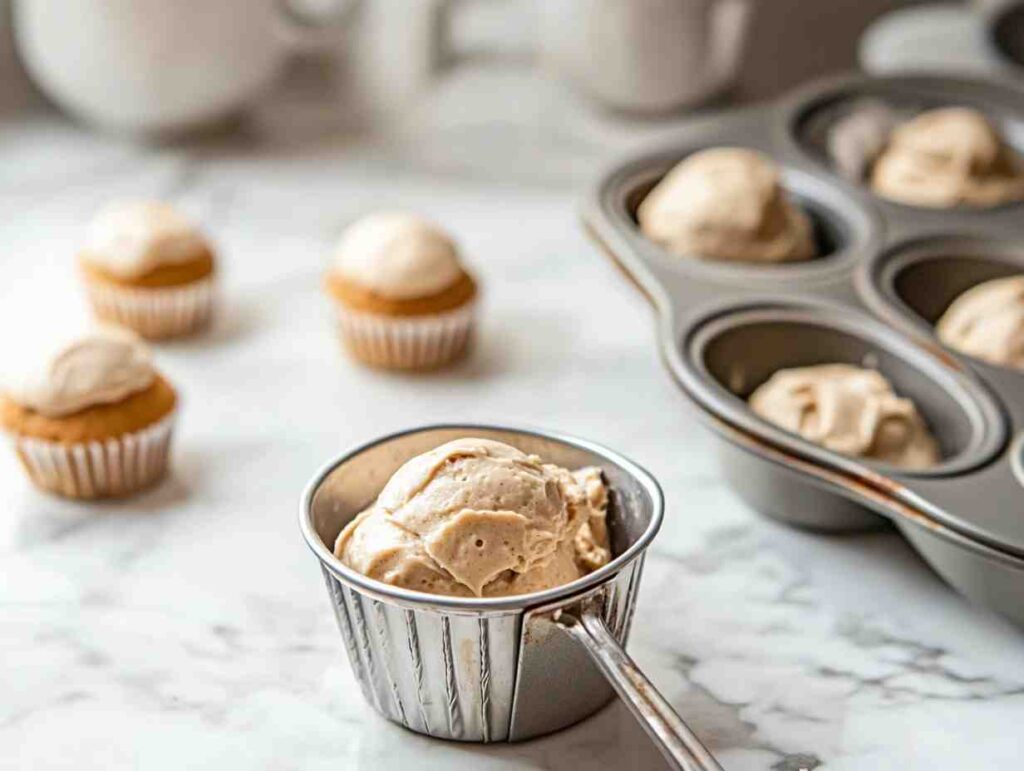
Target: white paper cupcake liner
{"type": "Point", "coordinates": [414, 342]}
{"type": "Point", "coordinates": [99, 469]}
{"type": "Point", "coordinates": [154, 313]}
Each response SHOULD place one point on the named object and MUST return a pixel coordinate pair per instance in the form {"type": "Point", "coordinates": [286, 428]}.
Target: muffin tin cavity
{"type": "Point", "coordinates": [912, 284]}
{"type": "Point", "coordinates": [735, 350]}
{"type": "Point", "coordinates": [843, 228]}
{"type": "Point", "coordinates": [1005, 33]}
{"type": "Point", "coordinates": [811, 116]}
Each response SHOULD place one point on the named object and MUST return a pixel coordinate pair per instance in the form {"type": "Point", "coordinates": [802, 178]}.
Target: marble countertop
{"type": "Point", "coordinates": [188, 628]}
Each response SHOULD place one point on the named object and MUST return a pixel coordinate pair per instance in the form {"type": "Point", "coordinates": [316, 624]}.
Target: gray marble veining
{"type": "Point", "coordinates": [188, 627]}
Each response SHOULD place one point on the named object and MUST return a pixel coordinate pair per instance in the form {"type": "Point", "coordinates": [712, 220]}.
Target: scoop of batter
{"type": "Point", "coordinates": [475, 517]}
{"type": "Point", "coordinates": [726, 204]}
{"type": "Point", "coordinates": [948, 157]}
{"type": "Point", "coordinates": [850, 410]}
{"type": "Point", "coordinates": [987, 321]}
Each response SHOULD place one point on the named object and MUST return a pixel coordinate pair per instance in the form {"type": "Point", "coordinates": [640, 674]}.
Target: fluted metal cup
{"type": "Point", "coordinates": [498, 668]}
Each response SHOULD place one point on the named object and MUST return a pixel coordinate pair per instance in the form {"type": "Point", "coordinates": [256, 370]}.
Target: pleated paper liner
{"type": "Point", "coordinates": [408, 343]}
{"type": "Point", "coordinates": [99, 469]}
{"type": "Point", "coordinates": [154, 313]}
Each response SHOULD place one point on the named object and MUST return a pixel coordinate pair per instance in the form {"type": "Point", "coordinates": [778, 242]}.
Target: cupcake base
{"type": "Point", "coordinates": [154, 313]}
{"type": "Point", "coordinates": [100, 469]}
{"type": "Point", "coordinates": [406, 342]}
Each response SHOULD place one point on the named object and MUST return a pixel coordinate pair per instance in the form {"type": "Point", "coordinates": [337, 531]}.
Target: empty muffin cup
{"type": "Point", "coordinates": [503, 668]}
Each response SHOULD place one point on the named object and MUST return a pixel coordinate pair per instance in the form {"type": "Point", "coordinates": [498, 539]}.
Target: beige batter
{"type": "Point", "coordinates": [987, 321]}
{"type": "Point", "coordinates": [948, 157]}
{"type": "Point", "coordinates": [726, 203]}
{"type": "Point", "coordinates": [850, 410]}
{"type": "Point", "coordinates": [475, 517]}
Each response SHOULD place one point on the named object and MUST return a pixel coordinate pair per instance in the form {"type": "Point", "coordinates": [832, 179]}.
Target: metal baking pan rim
{"type": "Point", "coordinates": [855, 489]}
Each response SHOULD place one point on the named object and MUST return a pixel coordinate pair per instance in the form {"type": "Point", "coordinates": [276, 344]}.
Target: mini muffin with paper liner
{"type": "Point", "coordinates": [89, 416]}
{"type": "Point", "coordinates": [403, 299]}
{"type": "Point", "coordinates": [147, 267]}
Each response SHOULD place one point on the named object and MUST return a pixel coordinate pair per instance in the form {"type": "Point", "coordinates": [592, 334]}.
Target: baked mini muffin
{"type": "Point", "coordinates": [987, 321]}
{"type": "Point", "coordinates": [402, 297]}
{"type": "Point", "coordinates": [90, 417]}
{"type": "Point", "coordinates": [946, 158]}
{"type": "Point", "coordinates": [726, 203]}
{"type": "Point", "coordinates": [850, 410]}
{"type": "Point", "coordinates": [146, 267]}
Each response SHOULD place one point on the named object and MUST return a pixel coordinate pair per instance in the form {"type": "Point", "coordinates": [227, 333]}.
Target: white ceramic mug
{"type": "Point", "coordinates": [634, 55]}
{"type": "Point", "coordinates": [158, 65]}
{"type": "Point", "coordinates": [984, 37]}
{"type": "Point", "coordinates": [397, 49]}
{"type": "Point", "coordinates": [647, 55]}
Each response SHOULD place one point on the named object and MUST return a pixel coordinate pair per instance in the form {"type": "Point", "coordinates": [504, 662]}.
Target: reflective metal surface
{"type": "Point", "coordinates": [494, 669]}
{"type": "Point", "coordinates": [678, 743]}
{"type": "Point", "coordinates": [724, 329]}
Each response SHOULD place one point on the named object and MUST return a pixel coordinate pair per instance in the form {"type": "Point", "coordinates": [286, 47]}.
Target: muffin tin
{"type": "Point", "coordinates": [886, 274]}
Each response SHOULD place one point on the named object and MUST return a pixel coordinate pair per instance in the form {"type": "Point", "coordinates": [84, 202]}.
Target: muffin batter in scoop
{"type": "Point", "coordinates": [475, 517]}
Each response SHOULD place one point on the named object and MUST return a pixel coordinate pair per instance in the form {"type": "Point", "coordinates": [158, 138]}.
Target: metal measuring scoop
{"type": "Point", "coordinates": [501, 668]}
